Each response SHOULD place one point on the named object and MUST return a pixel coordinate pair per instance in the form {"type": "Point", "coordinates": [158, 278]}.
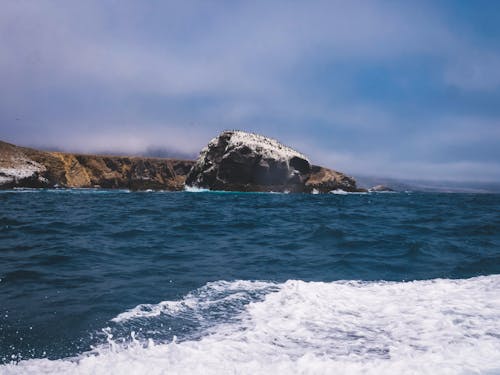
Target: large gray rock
{"type": "Point", "coordinates": [241, 161]}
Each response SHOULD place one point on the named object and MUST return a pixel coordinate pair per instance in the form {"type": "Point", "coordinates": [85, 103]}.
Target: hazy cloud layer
{"type": "Point", "coordinates": [408, 89]}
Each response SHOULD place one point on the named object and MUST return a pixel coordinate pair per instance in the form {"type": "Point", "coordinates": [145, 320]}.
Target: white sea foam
{"type": "Point", "coordinates": [343, 192]}
{"type": "Point", "coordinates": [339, 192]}
{"type": "Point", "coordinates": [194, 189]}
{"type": "Point", "coordinates": [212, 294]}
{"type": "Point", "coordinates": [423, 327]}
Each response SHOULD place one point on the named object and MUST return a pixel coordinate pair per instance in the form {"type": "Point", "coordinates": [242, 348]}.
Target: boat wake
{"type": "Point", "coordinates": [440, 326]}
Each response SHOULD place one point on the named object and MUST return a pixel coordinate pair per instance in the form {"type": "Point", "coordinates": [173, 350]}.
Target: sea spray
{"type": "Point", "coordinates": [435, 326]}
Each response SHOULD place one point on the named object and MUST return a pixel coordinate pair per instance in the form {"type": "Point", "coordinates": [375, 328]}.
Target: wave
{"type": "Point", "coordinates": [440, 326]}
{"type": "Point", "coordinates": [194, 189]}
{"type": "Point", "coordinates": [343, 192]}
{"type": "Point", "coordinates": [65, 190]}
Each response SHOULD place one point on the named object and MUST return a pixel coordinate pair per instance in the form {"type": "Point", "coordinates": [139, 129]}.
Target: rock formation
{"type": "Point", "coordinates": [240, 161]}
{"type": "Point", "coordinates": [233, 161]}
{"type": "Point", "coordinates": [324, 180]}
{"type": "Point", "coordinates": [25, 167]}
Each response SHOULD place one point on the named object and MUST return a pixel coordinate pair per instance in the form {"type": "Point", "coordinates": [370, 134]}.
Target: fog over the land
{"type": "Point", "coordinates": [407, 89]}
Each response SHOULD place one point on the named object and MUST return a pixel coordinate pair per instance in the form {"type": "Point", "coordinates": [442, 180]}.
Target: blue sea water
{"type": "Point", "coordinates": [95, 281]}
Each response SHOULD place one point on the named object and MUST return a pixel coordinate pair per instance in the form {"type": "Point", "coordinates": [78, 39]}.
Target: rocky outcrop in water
{"type": "Point", "coordinates": [25, 167]}
{"type": "Point", "coordinates": [233, 161]}
{"type": "Point", "coordinates": [240, 161]}
{"type": "Point", "coordinates": [324, 180]}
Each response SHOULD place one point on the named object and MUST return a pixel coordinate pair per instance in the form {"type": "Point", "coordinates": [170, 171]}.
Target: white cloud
{"type": "Point", "coordinates": [243, 49]}
{"type": "Point", "coordinates": [80, 72]}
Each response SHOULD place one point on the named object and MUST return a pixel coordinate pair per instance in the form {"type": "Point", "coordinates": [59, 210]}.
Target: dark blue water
{"type": "Point", "coordinates": [70, 261]}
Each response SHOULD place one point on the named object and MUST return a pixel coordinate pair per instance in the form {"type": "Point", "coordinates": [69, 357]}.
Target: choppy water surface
{"type": "Point", "coordinates": [101, 281]}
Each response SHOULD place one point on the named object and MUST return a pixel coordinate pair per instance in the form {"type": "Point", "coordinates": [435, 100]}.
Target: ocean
{"type": "Point", "coordinates": [118, 282]}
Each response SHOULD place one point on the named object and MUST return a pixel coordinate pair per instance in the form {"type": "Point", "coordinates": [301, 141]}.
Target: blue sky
{"type": "Point", "coordinates": [387, 88]}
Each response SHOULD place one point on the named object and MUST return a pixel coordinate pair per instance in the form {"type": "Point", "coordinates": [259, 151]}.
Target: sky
{"type": "Point", "coordinates": [404, 89]}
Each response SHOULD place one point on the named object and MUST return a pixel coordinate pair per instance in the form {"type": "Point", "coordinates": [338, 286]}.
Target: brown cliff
{"type": "Point", "coordinates": [324, 180]}
{"type": "Point", "coordinates": [26, 167]}
{"type": "Point", "coordinates": [235, 161]}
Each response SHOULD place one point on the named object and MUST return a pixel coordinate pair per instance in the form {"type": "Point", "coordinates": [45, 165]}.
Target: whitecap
{"type": "Point", "coordinates": [437, 326]}
{"type": "Point", "coordinates": [194, 189]}
{"type": "Point", "coordinates": [339, 192]}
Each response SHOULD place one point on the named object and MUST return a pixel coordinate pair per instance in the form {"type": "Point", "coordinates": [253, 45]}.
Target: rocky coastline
{"type": "Point", "coordinates": [233, 161]}
{"type": "Point", "coordinates": [22, 167]}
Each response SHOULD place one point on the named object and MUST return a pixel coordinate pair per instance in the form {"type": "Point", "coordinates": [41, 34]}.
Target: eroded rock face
{"type": "Point", "coordinates": [233, 161]}
{"type": "Point", "coordinates": [324, 180]}
{"type": "Point", "coordinates": [16, 168]}
{"type": "Point", "coordinates": [25, 167]}
{"type": "Point", "coordinates": [240, 161]}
